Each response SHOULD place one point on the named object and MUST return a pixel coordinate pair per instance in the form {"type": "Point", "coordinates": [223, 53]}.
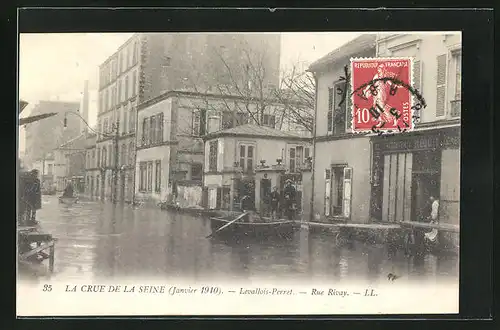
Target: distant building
{"type": "Point", "coordinates": [46, 168]}
{"type": "Point", "coordinates": [170, 149]}
{"type": "Point", "coordinates": [149, 65]}
{"type": "Point", "coordinates": [45, 135]}
{"type": "Point", "coordinates": [233, 155]}
{"type": "Point", "coordinates": [70, 163]}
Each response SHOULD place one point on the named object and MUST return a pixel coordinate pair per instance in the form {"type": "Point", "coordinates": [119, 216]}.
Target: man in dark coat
{"type": "Point", "coordinates": [33, 196]}
{"type": "Point", "coordinates": [68, 191]}
{"type": "Point", "coordinates": [275, 200]}
{"type": "Point", "coordinates": [289, 196]}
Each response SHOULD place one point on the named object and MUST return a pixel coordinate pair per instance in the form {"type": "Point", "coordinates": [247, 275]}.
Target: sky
{"type": "Point", "coordinates": [54, 66]}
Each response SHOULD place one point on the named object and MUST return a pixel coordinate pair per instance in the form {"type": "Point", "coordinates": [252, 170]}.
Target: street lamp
{"type": "Point", "coordinates": [115, 135]}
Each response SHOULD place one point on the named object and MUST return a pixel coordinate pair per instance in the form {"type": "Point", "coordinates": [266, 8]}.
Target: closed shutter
{"type": "Point", "coordinates": [417, 75]}
{"type": "Point", "coordinates": [347, 193]}
{"type": "Point", "coordinates": [441, 86]}
{"type": "Point", "coordinates": [328, 192]}
{"type": "Point", "coordinates": [219, 198]}
{"type": "Point", "coordinates": [330, 110]}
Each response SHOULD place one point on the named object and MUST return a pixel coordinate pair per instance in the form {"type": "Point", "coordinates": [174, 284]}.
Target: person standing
{"type": "Point", "coordinates": [434, 219]}
{"type": "Point", "coordinates": [289, 196]}
{"type": "Point", "coordinates": [275, 200]}
{"type": "Point", "coordinates": [33, 195]}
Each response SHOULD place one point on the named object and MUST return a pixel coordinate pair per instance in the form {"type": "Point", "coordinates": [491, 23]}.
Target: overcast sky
{"type": "Point", "coordinates": [55, 65]}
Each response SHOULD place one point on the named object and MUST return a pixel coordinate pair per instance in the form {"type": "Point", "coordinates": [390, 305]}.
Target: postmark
{"type": "Point", "coordinates": [382, 96]}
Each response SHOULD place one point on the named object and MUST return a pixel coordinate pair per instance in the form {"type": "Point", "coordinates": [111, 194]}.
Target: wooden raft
{"type": "Point", "coordinates": [35, 247]}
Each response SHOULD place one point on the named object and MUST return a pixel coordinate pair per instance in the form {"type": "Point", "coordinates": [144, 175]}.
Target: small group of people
{"type": "Point", "coordinates": [30, 197]}
{"type": "Point", "coordinates": [276, 203]}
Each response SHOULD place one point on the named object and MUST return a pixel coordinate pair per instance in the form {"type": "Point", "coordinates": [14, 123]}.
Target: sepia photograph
{"type": "Point", "coordinates": [238, 173]}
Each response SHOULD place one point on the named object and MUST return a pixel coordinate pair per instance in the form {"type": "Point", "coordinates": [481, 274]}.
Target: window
{"type": "Point", "coordinates": [134, 84]}
{"type": "Point", "coordinates": [49, 169]}
{"type": "Point", "coordinates": [196, 123]}
{"type": "Point", "coordinates": [126, 88]}
{"type": "Point", "coordinates": [196, 171]}
{"type": "Point", "coordinates": [119, 91]}
{"type": "Point", "coordinates": [98, 157]}
{"type": "Point", "coordinates": [120, 61]}
{"type": "Point", "coordinates": [338, 191]}
{"type": "Point", "coordinates": [227, 120]}
{"type": "Point", "coordinates": [241, 118]}
{"type": "Point", "coordinates": [328, 191]}
{"type": "Point", "coordinates": [101, 102]}
{"type": "Point", "coordinates": [104, 157]}
{"type": "Point", "coordinates": [113, 96]}
{"type": "Point", "coordinates": [125, 57]}
{"type": "Point", "coordinates": [157, 176]}
{"type": "Point", "coordinates": [105, 126]}
{"type": "Point", "coordinates": [457, 57]}
{"type": "Point", "coordinates": [93, 159]}
{"type": "Point", "coordinates": [246, 157]}
{"type": "Point", "coordinates": [269, 120]}
{"type": "Point", "coordinates": [135, 53]}
{"type": "Point", "coordinates": [212, 156]}
{"type": "Point", "coordinates": [123, 157]}
{"type": "Point", "coordinates": [106, 100]}
{"type": "Point", "coordinates": [111, 154]}
{"type": "Point", "coordinates": [132, 121]}
{"type": "Point", "coordinates": [339, 110]}
{"type": "Point", "coordinates": [330, 110]}
{"type": "Point", "coordinates": [131, 153]}
{"type": "Point", "coordinates": [293, 161]}
{"type": "Point", "coordinates": [150, 177]}
{"type": "Point", "coordinates": [152, 130]}
{"type": "Point", "coordinates": [125, 121]}
{"type": "Point", "coordinates": [145, 131]}
{"type": "Point", "coordinates": [142, 176]}
{"type": "Point", "coordinates": [159, 127]}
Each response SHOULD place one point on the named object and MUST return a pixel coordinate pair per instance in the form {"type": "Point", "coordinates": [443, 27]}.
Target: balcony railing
{"type": "Point", "coordinates": [456, 108]}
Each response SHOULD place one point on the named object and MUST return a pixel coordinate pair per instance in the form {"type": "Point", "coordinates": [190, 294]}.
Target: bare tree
{"type": "Point", "coordinates": [248, 80]}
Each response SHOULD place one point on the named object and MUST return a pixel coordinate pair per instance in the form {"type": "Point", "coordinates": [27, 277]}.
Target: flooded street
{"type": "Point", "coordinates": [99, 240]}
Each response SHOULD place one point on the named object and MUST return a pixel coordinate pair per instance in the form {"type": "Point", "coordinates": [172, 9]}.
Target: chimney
{"type": "Point", "coordinates": [85, 107]}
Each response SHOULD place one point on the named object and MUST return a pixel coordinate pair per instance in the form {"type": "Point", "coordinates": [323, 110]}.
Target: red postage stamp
{"type": "Point", "coordinates": [381, 95]}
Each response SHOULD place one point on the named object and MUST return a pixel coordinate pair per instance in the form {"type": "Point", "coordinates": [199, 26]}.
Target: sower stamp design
{"type": "Point", "coordinates": [381, 99]}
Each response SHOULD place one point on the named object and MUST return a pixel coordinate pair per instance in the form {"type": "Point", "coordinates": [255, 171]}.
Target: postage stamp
{"type": "Point", "coordinates": [381, 94]}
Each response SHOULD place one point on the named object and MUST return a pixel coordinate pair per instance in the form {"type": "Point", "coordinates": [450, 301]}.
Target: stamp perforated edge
{"type": "Point", "coordinates": [351, 85]}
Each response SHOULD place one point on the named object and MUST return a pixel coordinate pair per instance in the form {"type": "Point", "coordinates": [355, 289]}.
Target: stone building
{"type": "Point", "coordinates": [369, 178]}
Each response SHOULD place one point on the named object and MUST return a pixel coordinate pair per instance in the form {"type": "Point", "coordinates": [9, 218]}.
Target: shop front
{"type": "Point", "coordinates": [408, 169]}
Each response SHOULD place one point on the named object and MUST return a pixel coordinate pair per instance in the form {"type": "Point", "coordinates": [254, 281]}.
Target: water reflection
{"type": "Point", "coordinates": [102, 240]}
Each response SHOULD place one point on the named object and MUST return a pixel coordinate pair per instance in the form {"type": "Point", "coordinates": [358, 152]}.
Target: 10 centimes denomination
{"type": "Point", "coordinates": [382, 96]}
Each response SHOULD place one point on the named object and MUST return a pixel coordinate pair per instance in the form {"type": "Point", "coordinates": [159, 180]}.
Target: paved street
{"type": "Point", "coordinates": [100, 240]}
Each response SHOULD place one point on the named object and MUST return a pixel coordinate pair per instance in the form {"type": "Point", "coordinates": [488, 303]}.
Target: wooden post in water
{"type": "Point", "coordinates": [51, 257]}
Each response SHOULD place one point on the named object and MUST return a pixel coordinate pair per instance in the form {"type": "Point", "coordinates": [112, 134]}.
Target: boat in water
{"type": "Point", "coordinates": [68, 200]}
{"type": "Point", "coordinates": [251, 226]}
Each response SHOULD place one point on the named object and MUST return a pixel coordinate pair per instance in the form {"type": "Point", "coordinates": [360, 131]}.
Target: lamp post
{"type": "Point", "coordinates": [115, 135]}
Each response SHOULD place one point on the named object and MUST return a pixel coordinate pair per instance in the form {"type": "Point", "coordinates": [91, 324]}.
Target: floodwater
{"type": "Point", "coordinates": [101, 240]}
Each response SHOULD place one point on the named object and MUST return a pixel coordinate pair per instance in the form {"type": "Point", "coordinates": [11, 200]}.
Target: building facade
{"type": "Point", "coordinates": [44, 136]}
{"type": "Point", "coordinates": [342, 162]}
{"type": "Point", "coordinates": [45, 167]}
{"type": "Point", "coordinates": [390, 178]}
{"type": "Point", "coordinates": [408, 168]}
{"type": "Point", "coordinates": [92, 171]}
{"type": "Point", "coordinates": [170, 149]}
{"type": "Point", "coordinates": [70, 164]}
{"type": "Point", "coordinates": [151, 64]}
{"type": "Point", "coordinates": [234, 156]}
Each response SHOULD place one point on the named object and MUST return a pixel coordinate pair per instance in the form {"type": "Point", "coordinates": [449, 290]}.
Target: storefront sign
{"type": "Point", "coordinates": [409, 144]}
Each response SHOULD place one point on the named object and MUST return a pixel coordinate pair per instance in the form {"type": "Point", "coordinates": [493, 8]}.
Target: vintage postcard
{"type": "Point", "coordinates": [239, 173]}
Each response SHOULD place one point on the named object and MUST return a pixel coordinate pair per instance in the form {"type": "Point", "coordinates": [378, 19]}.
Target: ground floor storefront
{"type": "Point", "coordinates": [408, 169]}
{"type": "Point", "coordinates": [99, 184]}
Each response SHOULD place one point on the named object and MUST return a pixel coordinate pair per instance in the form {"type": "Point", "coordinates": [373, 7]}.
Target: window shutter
{"type": "Point", "coordinates": [328, 190]}
{"type": "Point", "coordinates": [330, 109]}
{"type": "Point", "coordinates": [219, 198]}
{"type": "Point", "coordinates": [441, 86]}
{"type": "Point", "coordinates": [346, 199]}
{"type": "Point", "coordinates": [417, 75]}
{"type": "Point", "coordinates": [348, 109]}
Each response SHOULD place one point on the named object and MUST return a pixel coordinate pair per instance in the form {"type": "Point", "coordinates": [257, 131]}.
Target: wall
{"type": "Point", "coordinates": [450, 187]}
{"type": "Point", "coordinates": [189, 196]}
{"type": "Point", "coordinates": [355, 152]}
{"type": "Point", "coordinates": [425, 48]}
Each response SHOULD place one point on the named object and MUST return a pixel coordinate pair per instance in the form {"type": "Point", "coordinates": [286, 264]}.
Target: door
{"type": "Point", "coordinates": [265, 193]}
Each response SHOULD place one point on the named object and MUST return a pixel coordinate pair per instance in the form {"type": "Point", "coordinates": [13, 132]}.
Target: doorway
{"type": "Point", "coordinates": [426, 177]}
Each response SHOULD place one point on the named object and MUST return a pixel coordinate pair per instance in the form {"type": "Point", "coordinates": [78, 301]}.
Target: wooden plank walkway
{"type": "Point", "coordinates": [440, 226]}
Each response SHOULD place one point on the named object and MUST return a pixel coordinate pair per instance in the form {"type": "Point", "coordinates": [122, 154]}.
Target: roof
{"type": "Point", "coordinates": [250, 130]}
{"type": "Point", "coordinates": [353, 47]}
